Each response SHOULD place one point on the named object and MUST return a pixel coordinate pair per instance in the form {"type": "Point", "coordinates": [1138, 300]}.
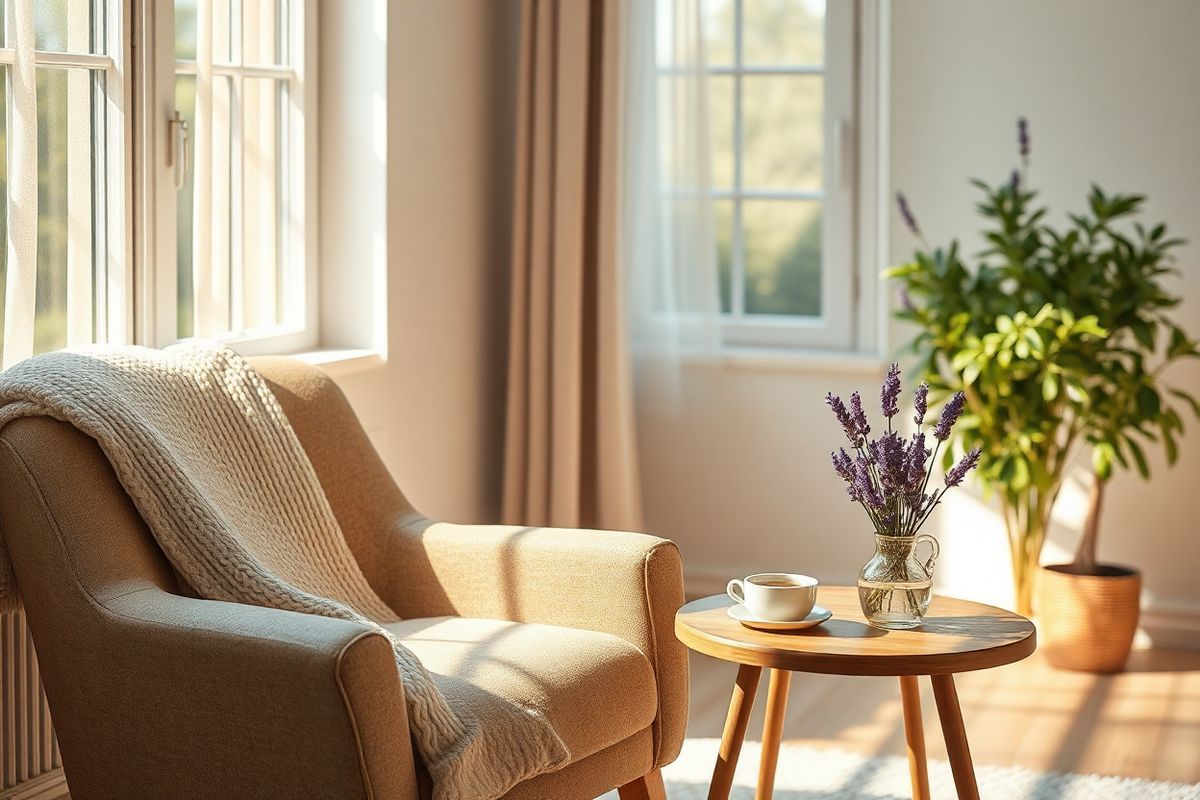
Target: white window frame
{"type": "Point", "coordinates": [849, 246]}
{"type": "Point", "coordinates": [156, 269]}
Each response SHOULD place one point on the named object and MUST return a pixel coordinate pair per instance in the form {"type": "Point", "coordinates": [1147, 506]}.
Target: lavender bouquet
{"type": "Point", "coordinates": [889, 477]}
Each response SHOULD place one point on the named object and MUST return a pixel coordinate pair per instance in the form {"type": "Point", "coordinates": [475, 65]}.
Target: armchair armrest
{"type": "Point", "coordinates": [626, 584]}
{"type": "Point", "coordinates": [213, 699]}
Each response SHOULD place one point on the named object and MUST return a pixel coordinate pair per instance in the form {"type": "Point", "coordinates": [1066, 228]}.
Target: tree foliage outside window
{"type": "Point", "coordinates": [761, 222]}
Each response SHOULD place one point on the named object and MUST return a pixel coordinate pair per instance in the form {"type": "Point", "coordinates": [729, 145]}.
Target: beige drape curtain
{"type": "Point", "coordinates": [570, 456]}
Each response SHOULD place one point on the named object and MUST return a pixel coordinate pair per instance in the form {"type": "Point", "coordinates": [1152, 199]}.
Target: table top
{"type": "Point", "coordinates": [956, 636]}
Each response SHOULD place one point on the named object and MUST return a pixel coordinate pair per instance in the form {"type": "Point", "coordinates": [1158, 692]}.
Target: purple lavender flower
{"type": "Point", "coordinates": [921, 403]}
{"type": "Point", "coordinates": [889, 455]}
{"type": "Point", "coordinates": [959, 471]}
{"type": "Point", "coordinates": [861, 426]}
{"type": "Point", "coordinates": [1023, 137]}
{"type": "Point", "coordinates": [950, 414]}
{"type": "Point", "coordinates": [889, 395]}
{"type": "Point", "coordinates": [906, 214]}
{"type": "Point", "coordinates": [905, 300]}
{"type": "Point", "coordinates": [842, 464]}
{"type": "Point", "coordinates": [1014, 182]}
{"type": "Point", "coordinates": [843, 417]}
{"type": "Point", "coordinates": [914, 462]}
{"type": "Point", "coordinates": [864, 486]}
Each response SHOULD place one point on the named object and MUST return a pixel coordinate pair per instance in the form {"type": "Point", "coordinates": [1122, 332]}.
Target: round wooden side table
{"type": "Point", "coordinates": [957, 636]}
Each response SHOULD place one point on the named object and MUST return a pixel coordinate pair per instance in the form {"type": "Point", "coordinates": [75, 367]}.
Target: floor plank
{"type": "Point", "coordinates": [1143, 723]}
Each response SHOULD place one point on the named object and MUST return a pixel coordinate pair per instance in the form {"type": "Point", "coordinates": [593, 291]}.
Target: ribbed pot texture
{"type": "Point", "coordinates": [1088, 621]}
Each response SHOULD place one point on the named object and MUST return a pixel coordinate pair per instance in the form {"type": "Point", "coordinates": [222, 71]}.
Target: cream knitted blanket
{"type": "Point", "coordinates": [212, 464]}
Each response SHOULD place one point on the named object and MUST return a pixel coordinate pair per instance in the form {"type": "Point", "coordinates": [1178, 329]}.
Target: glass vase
{"type": "Point", "coordinates": [894, 587]}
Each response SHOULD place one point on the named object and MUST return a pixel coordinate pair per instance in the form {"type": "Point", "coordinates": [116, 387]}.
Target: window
{"type": "Point", "coordinates": [62, 242]}
{"type": "Point", "coordinates": [203, 230]}
{"type": "Point", "coordinates": [782, 108]}
{"type": "Point", "coordinates": [241, 159]}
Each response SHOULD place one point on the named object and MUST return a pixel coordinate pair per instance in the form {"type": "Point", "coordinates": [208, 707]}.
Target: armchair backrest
{"type": "Point", "coordinates": [79, 548]}
{"type": "Point", "coordinates": [364, 498]}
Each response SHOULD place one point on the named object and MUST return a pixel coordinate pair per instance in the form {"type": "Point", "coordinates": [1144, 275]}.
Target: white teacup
{"type": "Point", "coordinates": [775, 596]}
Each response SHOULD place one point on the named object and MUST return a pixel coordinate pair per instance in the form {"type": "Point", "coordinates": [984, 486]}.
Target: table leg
{"type": "Point", "coordinates": [744, 689]}
{"type": "Point", "coordinates": [956, 737]}
{"type": "Point", "coordinates": [777, 695]}
{"type": "Point", "coordinates": [914, 735]}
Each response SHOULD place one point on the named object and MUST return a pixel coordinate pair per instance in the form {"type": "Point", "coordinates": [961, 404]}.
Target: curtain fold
{"type": "Point", "coordinates": [570, 449]}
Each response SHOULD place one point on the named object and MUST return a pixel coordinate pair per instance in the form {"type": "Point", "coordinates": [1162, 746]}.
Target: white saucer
{"type": "Point", "coordinates": [815, 617]}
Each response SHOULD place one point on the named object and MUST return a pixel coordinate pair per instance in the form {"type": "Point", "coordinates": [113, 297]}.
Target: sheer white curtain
{"type": "Point", "coordinates": [21, 273]}
{"type": "Point", "coordinates": [667, 237]}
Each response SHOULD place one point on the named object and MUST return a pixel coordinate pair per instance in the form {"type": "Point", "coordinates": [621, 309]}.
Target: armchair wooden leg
{"type": "Point", "coordinates": [956, 737]}
{"type": "Point", "coordinates": [648, 787]}
{"type": "Point", "coordinates": [740, 705]}
{"type": "Point", "coordinates": [914, 735]}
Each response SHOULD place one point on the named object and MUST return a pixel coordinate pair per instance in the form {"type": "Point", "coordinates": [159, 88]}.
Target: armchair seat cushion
{"type": "Point", "coordinates": [595, 689]}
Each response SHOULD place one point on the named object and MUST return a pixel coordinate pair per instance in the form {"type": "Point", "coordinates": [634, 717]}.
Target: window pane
{"type": "Point", "coordinates": [68, 185]}
{"type": "Point", "coordinates": [261, 179]}
{"type": "Point", "coordinates": [261, 25]}
{"type": "Point", "coordinates": [783, 32]}
{"type": "Point", "coordinates": [723, 232]}
{"type": "Point", "coordinates": [185, 104]}
{"type": "Point", "coordinates": [720, 129]}
{"type": "Point", "coordinates": [783, 256]}
{"type": "Point", "coordinates": [718, 27]}
{"type": "Point", "coordinates": [50, 320]}
{"type": "Point", "coordinates": [72, 26]}
{"type": "Point", "coordinates": [782, 118]}
{"type": "Point", "coordinates": [185, 30]}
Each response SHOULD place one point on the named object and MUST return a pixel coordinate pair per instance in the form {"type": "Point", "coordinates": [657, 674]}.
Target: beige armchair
{"type": "Point", "coordinates": [157, 694]}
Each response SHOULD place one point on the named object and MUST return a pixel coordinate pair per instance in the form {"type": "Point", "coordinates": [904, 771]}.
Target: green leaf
{"type": "Point", "coordinates": [1049, 387]}
{"type": "Point", "coordinates": [1144, 333]}
{"type": "Point", "coordinates": [1020, 478]}
{"type": "Point", "coordinates": [1102, 458]}
{"type": "Point", "coordinates": [1169, 443]}
{"type": "Point", "coordinates": [971, 372]}
{"type": "Point", "coordinates": [901, 271]}
{"type": "Point", "coordinates": [1089, 325]}
{"type": "Point", "coordinates": [1148, 402]}
{"type": "Point", "coordinates": [1138, 456]}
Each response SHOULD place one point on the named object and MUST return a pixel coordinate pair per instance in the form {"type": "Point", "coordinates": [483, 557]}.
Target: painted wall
{"type": "Point", "coordinates": [738, 472]}
{"type": "Point", "coordinates": [735, 465]}
{"type": "Point", "coordinates": [425, 142]}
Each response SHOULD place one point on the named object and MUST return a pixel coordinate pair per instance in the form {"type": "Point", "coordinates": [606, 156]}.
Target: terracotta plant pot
{"type": "Point", "coordinates": [1088, 621]}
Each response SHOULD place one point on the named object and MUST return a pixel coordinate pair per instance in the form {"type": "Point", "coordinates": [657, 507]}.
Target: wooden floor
{"type": "Point", "coordinates": [1144, 723]}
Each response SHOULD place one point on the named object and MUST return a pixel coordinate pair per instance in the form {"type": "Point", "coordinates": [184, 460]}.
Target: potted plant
{"type": "Point", "coordinates": [1058, 336]}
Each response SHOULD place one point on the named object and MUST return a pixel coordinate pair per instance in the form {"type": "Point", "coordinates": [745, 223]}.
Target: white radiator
{"type": "Point", "coordinates": [28, 749]}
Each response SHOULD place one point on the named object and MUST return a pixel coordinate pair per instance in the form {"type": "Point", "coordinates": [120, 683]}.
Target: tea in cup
{"type": "Point", "coordinates": [775, 596]}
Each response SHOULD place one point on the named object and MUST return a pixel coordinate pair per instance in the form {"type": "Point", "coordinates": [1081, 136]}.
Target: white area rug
{"type": "Point", "coordinates": [806, 773]}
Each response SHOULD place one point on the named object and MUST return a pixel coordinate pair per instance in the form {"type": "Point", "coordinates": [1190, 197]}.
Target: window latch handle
{"type": "Point", "coordinates": [179, 149]}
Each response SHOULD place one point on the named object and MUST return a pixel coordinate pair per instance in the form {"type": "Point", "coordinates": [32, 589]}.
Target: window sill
{"type": "Point", "coordinates": [805, 361]}
{"type": "Point", "coordinates": [340, 361]}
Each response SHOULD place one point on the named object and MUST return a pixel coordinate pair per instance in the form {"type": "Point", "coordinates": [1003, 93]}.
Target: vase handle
{"type": "Point", "coordinates": [933, 556]}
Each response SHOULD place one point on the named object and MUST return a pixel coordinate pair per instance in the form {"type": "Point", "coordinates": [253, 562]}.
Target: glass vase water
{"type": "Point", "coordinates": [894, 587]}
